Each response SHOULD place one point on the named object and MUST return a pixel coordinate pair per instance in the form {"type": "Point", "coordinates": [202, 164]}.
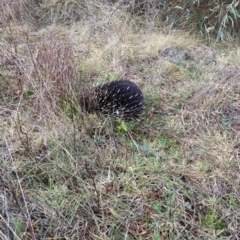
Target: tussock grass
{"type": "Point", "coordinates": [70, 175]}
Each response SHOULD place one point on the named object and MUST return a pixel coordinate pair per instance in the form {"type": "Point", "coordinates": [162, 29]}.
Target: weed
{"type": "Point", "coordinates": [212, 220]}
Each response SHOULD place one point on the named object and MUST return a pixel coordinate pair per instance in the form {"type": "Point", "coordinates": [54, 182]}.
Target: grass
{"type": "Point", "coordinates": [70, 175]}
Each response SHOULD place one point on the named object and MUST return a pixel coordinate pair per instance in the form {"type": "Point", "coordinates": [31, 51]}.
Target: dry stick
{"type": "Point", "coordinates": [28, 218]}
{"type": "Point", "coordinates": [74, 133]}
{"type": "Point", "coordinates": [19, 132]}
{"type": "Point", "coordinates": [94, 185]}
{"type": "Point", "coordinates": [40, 77]}
{"type": "Point", "coordinates": [20, 127]}
{"type": "Point", "coordinates": [102, 127]}
{"type": "Point", "coordinates": [134, 142]}
{"type": "Point", "coordinates": [114, 138]}
{"type": "Point", "coordinates": [9, 227]}
{"type": "Point", "coordinates": [115, 144]}
{"type": "Point", "coordinates": [122, 3]}
{"type": "Point", "coordinates": [33, 61]}
{"type": "Point", "coordinates": [116, 147]}
{"type": "Point", "coordinates": [3, 236]}
{"type": "Point", "coordinates": [5, 205]}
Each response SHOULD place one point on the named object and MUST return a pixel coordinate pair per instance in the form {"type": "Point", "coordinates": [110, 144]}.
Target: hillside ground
{"type": "Point", "coordinates": [66, 174]}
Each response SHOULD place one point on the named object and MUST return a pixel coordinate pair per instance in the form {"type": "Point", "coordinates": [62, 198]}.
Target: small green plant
{"type": "Point", "coordinates": [28, 94]}
{"type": "Point", "coordinates": [213, 220]}
{"type": "Point", "coordinates": [69, 106]}
{"type": "Point", "coordinates": [18, 226]}
{"type": "Point", "coordinates": [158, 207]}
{"type": "Point", "coordinates": [232, 200]}
{"type": "Point", "coordinates": [156, 235]}
{"type": "Point", "coordinates": [165, 142]}
{"type": "Point", "coordinates": [122, 127]}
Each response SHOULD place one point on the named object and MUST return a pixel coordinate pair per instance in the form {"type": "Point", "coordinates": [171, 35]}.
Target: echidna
{"type": "Point", "coordinates": [121, 98]}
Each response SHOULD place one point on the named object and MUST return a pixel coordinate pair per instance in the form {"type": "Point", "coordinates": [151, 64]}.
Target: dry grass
{"type": "Point", "coordinates": [69, 175]}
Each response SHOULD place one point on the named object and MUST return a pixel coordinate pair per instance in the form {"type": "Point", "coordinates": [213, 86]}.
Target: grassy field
{"type": "Point", "coordinates": [65, 174]}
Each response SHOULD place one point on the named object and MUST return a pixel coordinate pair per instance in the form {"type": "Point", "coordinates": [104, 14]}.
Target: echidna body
{"type": "Point", "coordinates": [121, 98]}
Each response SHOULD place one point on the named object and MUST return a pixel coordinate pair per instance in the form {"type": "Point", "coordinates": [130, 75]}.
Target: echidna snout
{"type": "Point", "coordinates": [121, 98]}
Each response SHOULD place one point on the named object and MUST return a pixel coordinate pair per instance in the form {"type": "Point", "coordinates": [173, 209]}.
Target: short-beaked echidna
{"type": "Point", "coordinates": [121, 98]}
